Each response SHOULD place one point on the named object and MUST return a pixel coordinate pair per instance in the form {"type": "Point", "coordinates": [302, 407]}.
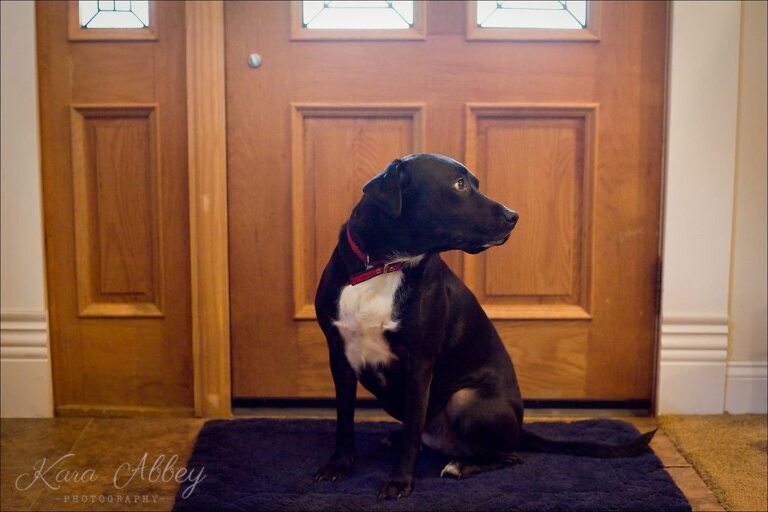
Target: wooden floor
{"type": "Point", "coordinates": [104, 449]}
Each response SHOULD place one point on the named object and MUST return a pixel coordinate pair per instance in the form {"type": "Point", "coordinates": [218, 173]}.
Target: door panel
{"type": "Point", "coordinates": [117, 227]}
{"type": "Point", "coordinates": [541, 160]}
{"type": "Point", "coordinates": [567, 132]}
{"type": "Point", "coordinates": [114, 154]}
{"type": "Point", "coordinates": [367, 136]}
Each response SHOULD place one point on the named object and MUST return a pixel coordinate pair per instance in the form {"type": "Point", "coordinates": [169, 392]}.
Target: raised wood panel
{"type": "Point", "coordinates": [326, 187]}
{"type": "Point", "coordinates": [534, 165]}
{"type": "Point", "coordinates": [117, 226]}
{"type": "Point", "coordinates": [538, 160]}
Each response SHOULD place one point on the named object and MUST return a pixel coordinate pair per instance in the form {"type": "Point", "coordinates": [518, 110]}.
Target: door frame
{"type": "Point", "coordinates": [208, 223]}
{"type": "Point", "coordinates": [208, 206]}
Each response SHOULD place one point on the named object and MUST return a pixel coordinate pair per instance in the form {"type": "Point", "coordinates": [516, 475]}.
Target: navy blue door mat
{"type": "Point", "coordinates": [258, 464]}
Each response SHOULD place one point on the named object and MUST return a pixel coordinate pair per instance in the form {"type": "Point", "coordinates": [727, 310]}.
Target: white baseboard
{"type": "Point", "coordinates": [26, 389]}
{"type": "Point", "coordinates": [692, 366]}
{"type": "Point", "coordinates": [747, 387]}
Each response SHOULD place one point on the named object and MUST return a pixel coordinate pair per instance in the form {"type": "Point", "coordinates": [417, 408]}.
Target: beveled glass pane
{"type": "Point", "coordinates": [358, 3]}
{"type": "Point", "coordinates": [141, 10]}
{"type": "Point", "coordinates": [114, 13]}
{"type": "Point", "coordinates": [556, 14]}
{"type": "Point", "coordinates": [405, 9]}
{"type": "Point", "coordinates": [579, 11]}
{"type": "Point", "coordinates": [349, 14]}
{"type": "Point", "coordinates": [88, 9]}
{"type": "Point", "coordinates": [310, 9]}
{"type": "Point", "coordinates": [538, 5]}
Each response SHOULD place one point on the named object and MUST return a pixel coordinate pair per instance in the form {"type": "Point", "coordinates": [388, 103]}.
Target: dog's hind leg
{"type": "Point", "coordinates": [488, 431]}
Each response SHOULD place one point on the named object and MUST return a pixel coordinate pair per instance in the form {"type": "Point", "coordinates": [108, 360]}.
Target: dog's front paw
{"type": "Point", "coordinates": [397, 488]}
{"type": "Point", "coordinates": [333, 471]}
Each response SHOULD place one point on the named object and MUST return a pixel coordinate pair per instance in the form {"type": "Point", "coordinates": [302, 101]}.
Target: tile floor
{"type": "Point", "coordinates": [105, 453]}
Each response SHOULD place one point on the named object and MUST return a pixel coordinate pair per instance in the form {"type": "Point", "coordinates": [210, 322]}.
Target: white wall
{"type": "Point", "coordinates": [701, 153]}
{"type": "Point", "coordinates": [747, 378]}
{"type": "Point", "coordinates": [713, 329]}
{"type": "Point", "coordinates": [25, 388]}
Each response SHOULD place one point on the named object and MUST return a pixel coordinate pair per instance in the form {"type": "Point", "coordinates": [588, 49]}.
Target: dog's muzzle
{"type": "Point", "coordinates": [510, 216]}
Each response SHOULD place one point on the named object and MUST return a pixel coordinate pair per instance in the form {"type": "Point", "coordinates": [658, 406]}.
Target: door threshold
{"type": "Point", "coordinates": [367, 409]}
{"type": "Point", "coordinates": [375, 414]}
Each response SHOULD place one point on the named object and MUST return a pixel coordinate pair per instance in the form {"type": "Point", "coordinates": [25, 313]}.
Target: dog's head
{"type": "Point", "coordinates": [434, 203]}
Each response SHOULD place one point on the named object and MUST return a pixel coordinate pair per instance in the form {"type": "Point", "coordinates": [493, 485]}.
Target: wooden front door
{"type": "Point", "coordinates": [114, 155]}
{"type": "Point", "coordinates": [563, 126]}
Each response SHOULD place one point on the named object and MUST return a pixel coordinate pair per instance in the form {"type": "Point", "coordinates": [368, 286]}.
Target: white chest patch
{"type": "Point", "coordinates": [366, 311]}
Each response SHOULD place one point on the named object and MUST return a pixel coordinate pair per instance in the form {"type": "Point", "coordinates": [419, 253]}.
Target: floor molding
{"type": "Point", "coordinates": [692, 365]}
{"type": "Point", "coordinates": [23, 335]}
{"type": "Point", "coordinates": [25, 365]}
{"type": "Point", "coordinates": [746, 388]}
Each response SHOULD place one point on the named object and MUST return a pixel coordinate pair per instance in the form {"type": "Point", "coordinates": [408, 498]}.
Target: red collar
{"type": "Point", "coordinates": [371, 269]}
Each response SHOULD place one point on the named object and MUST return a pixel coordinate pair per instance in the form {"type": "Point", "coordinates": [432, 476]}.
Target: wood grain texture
{"type": "Point", "coordinates": [208, 207]}
{"type": "Point", "coordinates": [525, 158]}
{"type": "Point", "coordinates": [553, 362]}
{"type": "Point", "coordinates": [100, 112]}
{"type": "Point", "coordinates": [539, 160]}
{"type": "Point", "coordinates": [368, 135]}
{"type": "Point", "coordinates": [315, 376]}
{"type": "Point", "coordinates": [596, 341]}
{"type": "Point", "coordinates": [118, 229]}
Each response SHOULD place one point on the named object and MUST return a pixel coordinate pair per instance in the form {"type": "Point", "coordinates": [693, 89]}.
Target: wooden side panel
{"type": "Point", "coordinates": [117, 226]}
{"type": "Point", "coordinates": [539, 160]}
{"type": "Point", "coordinates": [326, 187]}
{"type": "Point", "coordinates": [115, 198]}
{"type": "Point", "coordinates": [206, 111]}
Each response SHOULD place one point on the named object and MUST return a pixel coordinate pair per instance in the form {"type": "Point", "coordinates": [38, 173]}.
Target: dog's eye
{"type": "Point", "coordinates": [460, 185]}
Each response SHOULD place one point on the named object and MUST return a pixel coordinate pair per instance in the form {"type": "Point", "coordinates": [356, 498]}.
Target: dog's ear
{"type": "Point", "coordinates": [385, 189]}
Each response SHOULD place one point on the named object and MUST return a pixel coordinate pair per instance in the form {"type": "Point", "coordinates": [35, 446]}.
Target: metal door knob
{"type": "Point", "coordinates": [254, 60]}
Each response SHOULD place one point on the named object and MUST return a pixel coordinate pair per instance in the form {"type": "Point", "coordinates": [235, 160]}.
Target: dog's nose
{"type": "Point", "coordinates": [511, 216]}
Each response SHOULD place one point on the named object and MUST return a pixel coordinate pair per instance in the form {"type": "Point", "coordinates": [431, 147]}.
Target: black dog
{"type": "Point", "coordinates": [399, 320]}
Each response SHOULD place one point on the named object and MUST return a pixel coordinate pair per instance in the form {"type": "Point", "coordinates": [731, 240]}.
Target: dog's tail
{"type": "Point", "coordinates": [535, 443]}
